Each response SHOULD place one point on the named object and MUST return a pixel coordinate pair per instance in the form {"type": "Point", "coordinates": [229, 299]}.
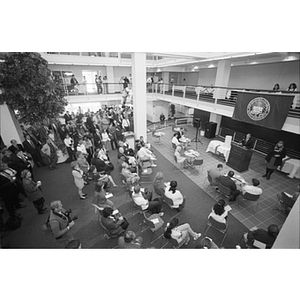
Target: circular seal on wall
{"type": "Point", "coordinates": [258, 108]}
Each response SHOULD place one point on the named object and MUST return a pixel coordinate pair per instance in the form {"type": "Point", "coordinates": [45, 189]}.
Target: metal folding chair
{"type": "Point", "coordinates": [218, 226]}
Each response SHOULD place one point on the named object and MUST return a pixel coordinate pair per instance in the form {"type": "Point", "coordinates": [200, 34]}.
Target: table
{"type": "Point", "coordinates": [213, 145]}
{"type": "Point", "coordinates": [291, 166]}
{"type": "Point", "coordinates": [191, 155]}
{"type": "Point", "coordinates": [158, 135]}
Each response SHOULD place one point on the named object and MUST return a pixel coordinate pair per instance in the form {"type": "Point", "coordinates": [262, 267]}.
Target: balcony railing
{"type": "Point", "coordinates": [212, 94]}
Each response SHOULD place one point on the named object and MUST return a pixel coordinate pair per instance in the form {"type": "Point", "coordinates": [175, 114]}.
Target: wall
{"type": "Point", "coordinates": [121, 71]}
{"type": "Point", "coordinates": [207, 77]}
{"type": "Point", "coordinates": [191, 78]}
{"type": "Point", "coordinates": [264, 76]}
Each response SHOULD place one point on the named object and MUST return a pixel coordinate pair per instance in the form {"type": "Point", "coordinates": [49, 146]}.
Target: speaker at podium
{"type": "Point", "coordinates": [239, 158]}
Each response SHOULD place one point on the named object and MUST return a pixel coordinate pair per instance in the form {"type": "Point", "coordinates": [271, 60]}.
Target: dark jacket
{"type": "Point", "coordinates": [278, 160]}
{"type": "Point", "coordinates": [228, 182]}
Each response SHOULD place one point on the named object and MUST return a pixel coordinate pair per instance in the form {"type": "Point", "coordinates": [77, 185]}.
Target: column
{"type": "Point", "coordinates": [139, 94]}
{"type": "Point", "coordinates": [222, 78]}
{"type": "Point", "coordinates": [110, 79]}
{"type": "Point", "coordinates": [165, 77]}
{"type": "Point", "coordinates": [9, 126]}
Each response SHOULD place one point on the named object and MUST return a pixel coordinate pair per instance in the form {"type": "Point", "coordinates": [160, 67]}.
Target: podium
{"type": "Point", "coordinates": [239, 158]}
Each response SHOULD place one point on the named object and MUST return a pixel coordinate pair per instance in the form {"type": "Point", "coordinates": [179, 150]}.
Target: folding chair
{"type": "Point", "coordinates": [251, 198]}
{"type": "Point", "coordinates": [198, 162]}
{"type": "Point", "coordinates": [210, 181]}
{"type": "Point", "coordinates": [169, 203]}
{"type": "Point", "coordinates": [145, 174]}
{"type": "Point", "coordinates": [220, 227]}
{"type": "Point", "coordinates": [286, 202]}
{"type": "Point", "coordinates": [224, 190]}
{"type": "Point", "coordinates": [153, 222]}
{"type": "Point", "coordinates": [174, 243]}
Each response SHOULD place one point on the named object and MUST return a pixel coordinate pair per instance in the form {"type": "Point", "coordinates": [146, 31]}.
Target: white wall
{"type": "Point", "coordinates": [207, 77]}
{"type": "Point", "coordinates": [265, 76]}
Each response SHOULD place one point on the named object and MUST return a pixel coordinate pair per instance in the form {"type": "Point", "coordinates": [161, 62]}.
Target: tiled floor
{"type": "Point", "coordinates": [265, 214]}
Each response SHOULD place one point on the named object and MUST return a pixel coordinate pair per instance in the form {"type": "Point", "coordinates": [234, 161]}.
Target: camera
{"type": "Point", "coordinates": [68, 214]}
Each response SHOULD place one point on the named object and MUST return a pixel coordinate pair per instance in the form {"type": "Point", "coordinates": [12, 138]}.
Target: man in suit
{"type": "Point", "coordinates": [246, 142]}
{"type": "Point", "coordinates": [228, 182]}
{"type": "Point", "coordinates": [15, 147]}
{"type": "Point", "coordinates": [31, 147]}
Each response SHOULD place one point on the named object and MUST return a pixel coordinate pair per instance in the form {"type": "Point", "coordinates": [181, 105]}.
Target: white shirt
{"type": "Point", "coordinates": [69, 142]}
{"type": "Point", "coordinates": [253, 190]}
{"type": "Point", "coordinates": [81, 148]}
{"type": "Point", "coordinates": [177, 197]}
{"type": "Point", "coordinates": [144, 152]}
{"type": "Point", "coordinates": [175, 141]}
{"type": "Point", "coordinates": [219, 218]}
{"type": "Point", "coordinates": [140, 200]}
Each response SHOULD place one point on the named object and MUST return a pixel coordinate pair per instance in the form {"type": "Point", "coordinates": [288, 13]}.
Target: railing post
{"type": "Point", "coordinates": [184, 90]}
{"type": "Point", "coordinates": [173, 88]}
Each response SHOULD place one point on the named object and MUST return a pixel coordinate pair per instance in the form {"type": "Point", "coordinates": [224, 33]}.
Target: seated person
{"type": "Point", "coordinates": [145, 154]}
{"type": "Point", "coordinates": [100, 197]}
{"type": "Point", "coordinates": [218, 212]}
{"type": "Point", "coordinates": [100, 164]}
{"type": "Point", "coordinates": [246, 142]}
{"type": "Point", "coordinates": [181, 233]}
{"type": "Point", "coordinates": [114, 225]}
{"type": "Point", "coordinates": [130, 241]}
{"type": "Point", "coordinates": [228, 182]}
{"type": "Point", "coordinates": [127, 173]}
{"type": "Point", "coordinates": [252, 189]}
{"type": "Point", "coordinates": [215, 174]}
{"type": "Point", "coordinates": [263, 236]}
{"type": "Point", "coordinates": [153, 206]}
{"type": "Point", "coordinates": [172, 193]}
{"type": "Point", "coordinates": [206, 243]}
{"type": "Point", "coordinates": [158, 184]}
{"type": "Point", "coordinates": [293, 198]}
{"type": "Point", "coordinates": [180, 158]}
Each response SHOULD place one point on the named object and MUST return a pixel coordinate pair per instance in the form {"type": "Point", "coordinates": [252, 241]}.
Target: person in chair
{"type": "Point", "coordinates": [228, 182]}
{"type": "Point", "coordinates": [252, 189]}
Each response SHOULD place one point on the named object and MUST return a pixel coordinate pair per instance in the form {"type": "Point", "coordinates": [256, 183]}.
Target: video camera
{"type": "Point", "coordinates": [68, 214]}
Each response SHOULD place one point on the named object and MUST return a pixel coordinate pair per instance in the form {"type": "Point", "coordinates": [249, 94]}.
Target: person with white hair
{"type": "Point", "coordinates": [180, 159]}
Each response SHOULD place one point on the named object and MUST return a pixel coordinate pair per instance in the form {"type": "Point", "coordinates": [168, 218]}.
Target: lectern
{"type": "Point", "coordinates": [239, 158]}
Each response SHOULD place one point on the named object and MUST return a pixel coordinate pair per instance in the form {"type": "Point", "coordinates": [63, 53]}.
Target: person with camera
{"type": "Point", "coordinates": [61, 222]}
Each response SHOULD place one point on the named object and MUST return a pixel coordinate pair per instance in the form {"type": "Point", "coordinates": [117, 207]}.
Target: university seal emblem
{"type": "Point", "coordinates": [258, 108]}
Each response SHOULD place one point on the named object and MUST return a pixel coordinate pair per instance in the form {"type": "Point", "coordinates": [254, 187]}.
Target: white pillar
{"type": "Point", "coordinates": [139, 93]}
{"type": "Point", "coordinates": [222, 78]}
{"type": "Point", "coordinates": [110, 79]}
{"type": "Point", "coordinates": [9, 126]}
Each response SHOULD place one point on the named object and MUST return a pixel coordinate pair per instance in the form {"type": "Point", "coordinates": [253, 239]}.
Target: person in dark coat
{"type": "Point", "coordinates": [228, 182]}
{"type": "Point", "coordinates": [246, 142]}
{"type": "Point", "coordinates": [15, 146]}
{"type": "Point", "coordinates": [274, 159]}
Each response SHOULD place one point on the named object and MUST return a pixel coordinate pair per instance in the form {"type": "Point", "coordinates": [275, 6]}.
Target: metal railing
{"type": "Point", "coordinates": [259, 145]}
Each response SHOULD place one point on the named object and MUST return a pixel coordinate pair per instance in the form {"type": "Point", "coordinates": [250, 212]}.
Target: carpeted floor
{"type": "Point", "coordinates": [58, 185]}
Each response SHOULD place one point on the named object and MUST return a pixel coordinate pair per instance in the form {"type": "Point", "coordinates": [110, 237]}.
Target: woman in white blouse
{"type": "Point", "coordinates": [172, 193]}
{"type": "Point", "coordinates": [78, 179]}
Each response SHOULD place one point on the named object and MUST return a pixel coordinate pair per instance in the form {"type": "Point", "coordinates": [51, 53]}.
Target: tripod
{"type": "Point", "coordinates": [195, 139]}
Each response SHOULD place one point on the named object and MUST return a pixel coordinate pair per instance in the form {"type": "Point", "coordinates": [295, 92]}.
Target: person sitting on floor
{"type": "Point", "coordinates": [181, 233]}
{"type": "Point", "coordinates": [293, 197]}
{"type": "Point", "coordinates": [153, 206]}
{"type": "Point", "coordinates": [252, 189]}
{"type": "Point", "coordinates": [130, 241]}
{"type": "Point", "coordinates": [228, 182]}
{"type": "Point", "coordinates": [180, 159]}
{"type": "Point", "coordinates": [263, 236]}
{"type": "Point", "coordinates": [215, 174]}
{"type": "Point", "coordinates": [172, 193]}
{"type": "Point", "coordinates": [218, 212]}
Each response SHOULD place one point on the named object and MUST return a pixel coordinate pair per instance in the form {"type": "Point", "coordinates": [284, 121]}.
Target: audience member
{"type": "Point", "coordinates": [34, 192]}
{"type": "Point", "coordinates": [130, 241]}
{"type": "Point", "coordinates": [293, 199]}
{"type": "Point", "coordinates": [158, 184]}
{"type": "Point", "coordinates": [218, 212]}
{"type": "Point", "coordinates": [276, 87]}
{"type": "Point", "coordinates": [33, 148]}
{"type": "Point", "coordinates": [263, 236]}
{"type": "Point", "coordinates": [114, 225]}
{"type": "Point", "coordinates": [78, 179]}
{"type": "Point", "coordinates": [274, 159]}
{"type": "Point", "coordinates": [180, 159]}
{"type": "Point", "coordinates": [181, 233]}
{"type": "Point", "coordinates": [172, 193]}
{"type": "Point", "coordinates": [252, 189]}
{"type": "Point", "coordinates": [154, 206]}
{"type": "Point", "coordinates": [51, 152]}
{"type": "Point", "coordinates": [292, 87]}
{"type": "Point", "coordinates": [15, 147]}
{"type": "Point", "coordinates": [100, 198]}
{"type": "Point", "coordinates": [145, 154]}
{"type": "Point", "coordinates": [206, 243]}
{"type": "Point", "coordinates": [228, 182]}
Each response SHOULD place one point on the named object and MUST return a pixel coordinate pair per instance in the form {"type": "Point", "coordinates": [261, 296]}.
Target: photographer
{"type": "Point", "coordinates": [60, 221]}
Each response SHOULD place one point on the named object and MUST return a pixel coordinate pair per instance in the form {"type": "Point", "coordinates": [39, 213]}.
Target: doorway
{"type": "Point", "coordinates": [90, 80]}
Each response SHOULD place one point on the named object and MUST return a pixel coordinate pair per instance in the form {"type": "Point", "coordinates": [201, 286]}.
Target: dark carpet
{"type": "Point", "coordinates": [58, 185]}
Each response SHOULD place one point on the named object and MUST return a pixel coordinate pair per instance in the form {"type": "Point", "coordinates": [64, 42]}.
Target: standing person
{"type": "Point", "coordinates": [50, 150]}
{"type": "Point", "coordinates": [126, 124]}
{"type": "Point", "coordinates": [34, 150]}
{"type": "Point", "coordinates": [68, 141]}
{"type": "Point", "coordinates": [60, 222]}
{"type": "Point", "coordinates": [215, 174]}
{"type": "Point", "coordinates": [33, 191]}
{"type": "Point", "coordinates": [105, 85]}
{"type": "Point", "coordinates": [78, 179]}
{"type": "Point", "coordinates": [246, 142]}
{"type": "Point", "coordinates": [292, 87]}
{"type": "Point", "coordinates": [274, 159]}
{"type": "Point", "coordinates": [98, 85]}
{"type": "Point", "coordinates": [276, 87]}
{"type": "Point", "coordinates": [162, 118]}
{"type": "Point", "coordinates": [125, 82]}
{"type": "Point", "coordinates": [15, 147]}
{"type": "Point", "coordinates": [113, 136]}
{"type": "Point", "coordinates": [74, 84]}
